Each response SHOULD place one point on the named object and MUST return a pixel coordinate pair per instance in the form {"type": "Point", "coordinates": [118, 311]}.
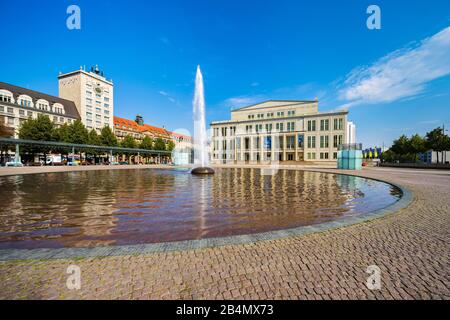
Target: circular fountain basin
{"type": "Point", "coordinates": [149, 206]}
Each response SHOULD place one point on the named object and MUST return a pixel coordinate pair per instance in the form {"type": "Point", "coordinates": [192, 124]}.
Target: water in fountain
{"type": "Point", "coordinates": [200, 140]}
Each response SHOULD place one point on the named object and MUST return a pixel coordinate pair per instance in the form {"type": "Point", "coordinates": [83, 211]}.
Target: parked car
{"type": "Point", "coordinates": [123, 162]}
{"type": "Point", "coordinates": [14, 164]}
{"type": "Point", "coordinates": [72, 163]}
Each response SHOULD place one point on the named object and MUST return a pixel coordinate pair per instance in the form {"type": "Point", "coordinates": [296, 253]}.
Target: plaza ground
{"type": "Point", "coordinates": [411, 247]}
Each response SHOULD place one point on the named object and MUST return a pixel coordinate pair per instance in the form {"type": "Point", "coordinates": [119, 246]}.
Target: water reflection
{"type": "Point", "coordinates": [101, 208]}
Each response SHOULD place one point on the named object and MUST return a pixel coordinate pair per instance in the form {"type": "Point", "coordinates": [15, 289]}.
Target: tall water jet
{"type": "Point", "coordinates": [200, 139]}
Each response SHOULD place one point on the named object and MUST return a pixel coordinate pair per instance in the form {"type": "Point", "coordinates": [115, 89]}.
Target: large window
{"type": "Point", "coordinates": [311, 125]}
{"type": "Point", "coordinates": [290, 142]}
{"type": "Point", "coordinates": [338, 124]}
{"type": "Point", "coordinates": [324, 125]}
{"type": "Point", "coordinates": [324, 141]}
{"type": "Point", "coordinates": [5, 98]}
{"type": "Point", "coordinates": [311, 142]}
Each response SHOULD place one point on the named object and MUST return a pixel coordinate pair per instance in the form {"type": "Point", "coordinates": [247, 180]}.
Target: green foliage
{"type": "Point", "coordinates": [437, 140]}
{"type": "Point", "coordinates": [146, 143]}
{"type": "Point", "coordinates": [61, 134]}
{"type": "Point", "coordinates": [78, 133]}
{"type": "Point", "coordinates": [170, 145]}
{"type": "Point", "coordinates": [107, 137]}
{"type": "Point", "coordinates": [128, 142]}
{"type": "Point", "coordinates": [406, 149]}
{"type": "Point", "coordinates": [41, 128]}
{"type": "Point", "coordinates": [94, 138]}
{"type": "Point", "coordinates": [159, 145]}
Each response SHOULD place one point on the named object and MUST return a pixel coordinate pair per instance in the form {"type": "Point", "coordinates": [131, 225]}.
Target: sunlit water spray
{"type": "Point", "coordinates": [200, 138]}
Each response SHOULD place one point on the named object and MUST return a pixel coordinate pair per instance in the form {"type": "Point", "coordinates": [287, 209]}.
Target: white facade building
{"type": "Point", "coordinates": [92, 94]}
{"type": "Point", "coordinates": [279, 131]}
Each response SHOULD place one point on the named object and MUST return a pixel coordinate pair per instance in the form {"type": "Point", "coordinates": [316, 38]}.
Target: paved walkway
{"type": "Point", "coordinates": [411, 247]}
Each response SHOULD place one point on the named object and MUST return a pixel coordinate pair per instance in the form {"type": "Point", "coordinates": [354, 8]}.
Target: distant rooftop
{"type": "Point", "coordinates": [69, 106]}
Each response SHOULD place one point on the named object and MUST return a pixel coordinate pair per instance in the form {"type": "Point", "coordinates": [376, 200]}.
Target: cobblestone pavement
{"type": "Point", "coordinates": [411, 247]}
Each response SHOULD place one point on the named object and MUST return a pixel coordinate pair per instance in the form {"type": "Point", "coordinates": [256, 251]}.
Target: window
{"type": "Point", "coordinates": [311, 142]}
{"type": "Point", "coordinates": [5, 98]}
{"type": "Point", "coordinates": [10, 121]}
{"type": "Point", "coordinates": [311, 125]}
{"type": "Point", "coordinates": [338, 124]}
{"type": "Point", "coordinates": [10, 110]}
{"type": "Point", "coordinates": [88, 93]}
{"type": "Point", "coordinates": [291, 113]}
{"type": "Point", "coordinates": [324, 125]}
{"type": "Point", "coordinates": [334, 155]}
{"type": "Point", "coordinates": [324, 141]}
{"type": "Point", "coordinates": [88, 101]}
{"type": "Point", "coordinates": [22, 112]}
{"type": "Point", "coordinates": [106, 105]}
{"type": "Point", "coordinates": [291, 126]}
{"type": "Point", "coordinates": [88, 115]}
{"type": "Point", "coordinates": [290, 142]}
{"type": "Point", "coordinates": [25, 103]}
{"type": "Point", "coordinates": [2, 109]}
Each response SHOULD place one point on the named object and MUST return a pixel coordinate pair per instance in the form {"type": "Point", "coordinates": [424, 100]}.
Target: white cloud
{"type": "Point", "coordinates": [163, 93]}
{"type": "Point", "coordinates": [401, 74]}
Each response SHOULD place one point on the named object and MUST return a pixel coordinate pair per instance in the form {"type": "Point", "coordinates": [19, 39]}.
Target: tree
{"type": "Point", "coordinates": [61, 134]}
{"type": "Point", "coordinates": [128, 142]}
{"type": "Point", "coordinates": [401, 145]}
{"type": "Point", "coordinates": [159, 145]}
{"type": "Point", "coordinates": [170, 145]}
{"type": "Point", "coordinates": [436, 140]}
{"type": "Point", "coordinates": [146, 143]}
{"type": "Point", "coordinates": [107, 137]}
{"type": "Point", "coordinates": [41, 128]}
{"type": "Point", "coordinates": [94, 138]}
{"type": "Point", "coordinates": [417, 145]}
{"type": "Point", "coordinates": [77, 133]}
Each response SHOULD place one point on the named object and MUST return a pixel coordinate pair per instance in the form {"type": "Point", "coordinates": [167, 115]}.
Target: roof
{"type": "Point", "coordinates": [69, 106]}
{"type": "Point", "coordinates": [318, 114]}
{"type": "Point", "coordinates": [179, 135]}
{"type": "Point", "coordinates": [276, 103]}
{"type": "Point", "coordinates": [136, 127]}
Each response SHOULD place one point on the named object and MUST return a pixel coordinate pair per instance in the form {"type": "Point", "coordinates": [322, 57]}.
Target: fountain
{"type": "Point", "coordinates": [200, 140]}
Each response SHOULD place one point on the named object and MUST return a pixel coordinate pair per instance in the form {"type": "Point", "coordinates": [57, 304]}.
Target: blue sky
{"type": "Point", "coordinates": [394, 80]}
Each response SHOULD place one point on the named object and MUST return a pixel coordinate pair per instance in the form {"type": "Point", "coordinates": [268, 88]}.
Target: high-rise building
{"type": "Point", "coordinates": [350, 137]}
{"type": "Point", "coordinates": [280, 131]}
{"type": "Point", "coordinates": [92, 94]}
